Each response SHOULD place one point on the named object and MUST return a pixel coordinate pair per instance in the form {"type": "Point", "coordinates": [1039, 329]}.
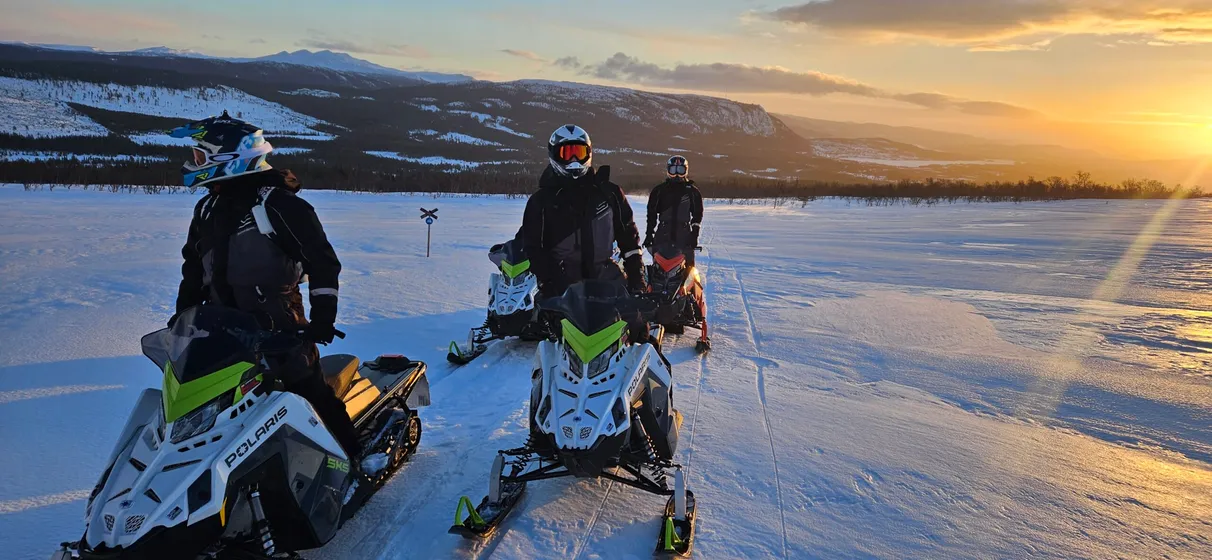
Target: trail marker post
{"type": "Point", "coordinates": [430, 216]}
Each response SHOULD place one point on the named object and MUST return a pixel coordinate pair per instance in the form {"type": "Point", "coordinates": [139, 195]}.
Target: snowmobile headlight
{"type": "Point", "coordinates": [574, 361]}
{"type": "Point", "coordinates": [600, 364]}
{"type": "Point", "coordinates": [198, 421]}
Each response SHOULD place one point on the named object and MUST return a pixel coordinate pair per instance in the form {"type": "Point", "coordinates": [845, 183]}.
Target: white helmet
{"type": "Point", "coordinates": [678, 167]}
{"type": "Point", "coordinates": [570, 151]}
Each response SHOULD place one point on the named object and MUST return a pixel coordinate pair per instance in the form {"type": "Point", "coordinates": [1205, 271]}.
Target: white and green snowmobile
{"type": "Point", "coordinates": [601, 405]}
{"type": "Point", "coordinates": [513, 292]}
{"type": "Point", "coordinates": [221, 464]}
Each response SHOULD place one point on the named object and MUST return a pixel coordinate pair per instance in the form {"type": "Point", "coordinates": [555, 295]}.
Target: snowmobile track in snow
{"type": "Point", "coordinates": [760, 363]}
{"type": "Point", "coordinates": [698, 395]}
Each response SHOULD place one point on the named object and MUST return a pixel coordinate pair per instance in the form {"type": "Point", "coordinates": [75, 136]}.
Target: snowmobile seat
{"type": "Point", "coordinates": [339, 371]}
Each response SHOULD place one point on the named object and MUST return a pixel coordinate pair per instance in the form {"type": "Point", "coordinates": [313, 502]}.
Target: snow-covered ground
{"type": "Point", "coordinates": [40, 117]}
{"type": "Point", "coordinates": [967, 381]}
{"type": "Point", "coordinates": [17, 95]}
{"type": "Point", "coordinates": [878, 151]}
{"type": "Point", "coordinates": [455, 137]}
{"type": "Point", "coordinates": [309, 92]}
{"type": "Point", "coordinates": [14, 155]}
{"type": "Point", "coordinates": [439, 160]}
{"type": "Point", "coordinates": [160, 139]}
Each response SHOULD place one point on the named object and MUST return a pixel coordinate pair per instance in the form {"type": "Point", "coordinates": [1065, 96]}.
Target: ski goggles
{"type": "Point", "coordinates": [677, 170]}
{"type": "Point", "coordinates": [573, 152]}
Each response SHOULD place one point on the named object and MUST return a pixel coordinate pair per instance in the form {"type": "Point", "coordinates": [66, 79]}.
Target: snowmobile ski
{"type": "Point", "coordinates": [482, 521]}
{"type": "Point", "coordinates": [677, 528]}
{"type": "Point", "coordinates": [477, 344]}
{"type": "Point", "coordinates": [461, 357]}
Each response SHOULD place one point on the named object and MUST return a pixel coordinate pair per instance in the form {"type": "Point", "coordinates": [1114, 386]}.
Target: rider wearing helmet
{"type": "Point", "coordinates": [250, 244]}
{"type": "Point", "coordinates": [577, 216]}
{"type": "Point", "coordinates": [675, 210]}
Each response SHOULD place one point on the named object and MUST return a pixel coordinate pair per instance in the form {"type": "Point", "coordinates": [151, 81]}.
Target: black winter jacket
{"type": "Point", "coordinates": [570, 228]}
{"type": "Point", "coordinates": [675, 213]}
{"type": "Point", "coordinates": [228, 260]}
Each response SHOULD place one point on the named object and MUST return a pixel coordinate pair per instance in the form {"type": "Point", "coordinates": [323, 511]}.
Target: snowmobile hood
{"type": "Point", "coordinates": [668, 264]}
{"type": "Point", "coordinates": [588, 346]}
{"type": "Point", "coordinates": [512, 270]}
{"type": "Point", "coordinates": [513, 294]}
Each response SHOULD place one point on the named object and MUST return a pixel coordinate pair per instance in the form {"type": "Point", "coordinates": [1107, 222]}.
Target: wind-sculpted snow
{"type": "Point", "coordinates": [967, 381]}
{"type": "Point", "coordinates": [196, 103]}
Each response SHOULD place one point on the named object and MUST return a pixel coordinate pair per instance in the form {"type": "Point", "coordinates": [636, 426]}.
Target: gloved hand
{"type": "Point", "coordinates": [694, 234]}
{"type": "Point", "coordinates": [322, 329]}
{"type": "Point", "coordinates": [648, 240]}
{"type": "Point", "coordinates": [633, 266]}
{"type": "Point", "coordinates": [172, 320]}
{"type": "Point", "coordinates": [320, 333]}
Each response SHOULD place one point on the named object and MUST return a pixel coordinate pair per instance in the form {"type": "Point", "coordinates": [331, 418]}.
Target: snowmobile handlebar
{"type": "Point", "coordinates": [279, 342]}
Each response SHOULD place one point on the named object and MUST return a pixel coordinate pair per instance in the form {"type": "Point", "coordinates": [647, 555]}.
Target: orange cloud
{"type": "Point", "coordinates": [999, 25]}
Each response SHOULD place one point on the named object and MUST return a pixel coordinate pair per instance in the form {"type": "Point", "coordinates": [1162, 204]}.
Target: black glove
{"type": "Point", "coordinates": [634, 267]}
{"type": "Point", "coordinates": [694, 235]}
{"type": "Point", "coordinates": [320, 333]}
{"type": "Point", "coordinates": [648, 240]}
{"type": "Point", "coordinates": [322, 328]}
{"type": "Point", "coordinates": [172, 320]}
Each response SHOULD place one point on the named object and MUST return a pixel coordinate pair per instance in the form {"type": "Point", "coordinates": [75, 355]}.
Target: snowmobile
{"type": "Point", "coordinates": [512, 304]}
{"type": "Point", "coordinates": [600, 403]}
{"type": "Point", "coordinates": [221, 464]}
{"type": "Point", "coordinates": [679, 292]}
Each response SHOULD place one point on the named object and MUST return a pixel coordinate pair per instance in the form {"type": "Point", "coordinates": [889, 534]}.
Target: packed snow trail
{"type": "Point", "coordinates": [879, 383]}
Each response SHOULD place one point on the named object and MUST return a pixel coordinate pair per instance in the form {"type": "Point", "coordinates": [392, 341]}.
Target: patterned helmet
{"type": "Point", "coordinates": [225, 147]}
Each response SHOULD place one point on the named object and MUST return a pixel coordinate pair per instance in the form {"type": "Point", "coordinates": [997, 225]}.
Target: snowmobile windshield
{"type": "Point", "coordinates": [669, 258]}
{"type": "Point", "coordinates": [204, 339]}
{"type": "Point", "coordinates": [593, 305]}
{"type": "Point", "coordinates": [512, 259]}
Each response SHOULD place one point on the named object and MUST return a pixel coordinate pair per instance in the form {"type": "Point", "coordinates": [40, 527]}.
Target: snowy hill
{"type": "Point", "coordinates": [915, 382]}
{"type": "Point", "coordinates": [345, 63]}
{"type": "Point", "coordinates": [341, 62]}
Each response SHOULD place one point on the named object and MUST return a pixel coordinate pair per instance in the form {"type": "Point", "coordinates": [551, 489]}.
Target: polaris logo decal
{"type": "Point", "coordinates": [250, 444]}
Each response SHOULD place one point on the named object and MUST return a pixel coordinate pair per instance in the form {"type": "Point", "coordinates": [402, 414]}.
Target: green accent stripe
{"type": "Point", "coordinates": [182, 398]}
{"type": "Point", "coordinates": [473, 521]}
{"type": "Point", "coordinates": [588, 347]}
{"type": "Point", "coordinates": [515, 270]}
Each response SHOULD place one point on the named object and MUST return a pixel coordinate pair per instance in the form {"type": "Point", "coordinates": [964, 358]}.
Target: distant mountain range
{"type": "Point", "coordinates": [338, 61]}
{"type": "Point", "coordinates": [332, 109]}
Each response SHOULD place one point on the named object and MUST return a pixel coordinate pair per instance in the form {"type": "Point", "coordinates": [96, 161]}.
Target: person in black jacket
{"type": "Point", "coordinates": [573, 222]}
{"type": "Point", "coordinates": [250, 243]}
{"type": "Point", "coordinates": [675, 210]}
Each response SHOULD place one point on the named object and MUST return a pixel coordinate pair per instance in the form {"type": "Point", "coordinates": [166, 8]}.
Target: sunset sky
{"type": "Point", "coordinates": [1121, 76]}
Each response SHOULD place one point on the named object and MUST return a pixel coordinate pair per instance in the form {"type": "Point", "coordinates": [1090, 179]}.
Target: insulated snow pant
{"type": "Point", "coordinates": [301, 375]}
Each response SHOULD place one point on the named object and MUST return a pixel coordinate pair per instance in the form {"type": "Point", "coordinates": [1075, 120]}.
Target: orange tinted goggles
{"type": "Point", "coordinates": [573, 152]}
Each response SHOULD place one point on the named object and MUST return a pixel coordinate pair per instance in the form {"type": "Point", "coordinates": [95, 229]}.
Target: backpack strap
{"type": "Point", "coordinates": [260, 215]}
